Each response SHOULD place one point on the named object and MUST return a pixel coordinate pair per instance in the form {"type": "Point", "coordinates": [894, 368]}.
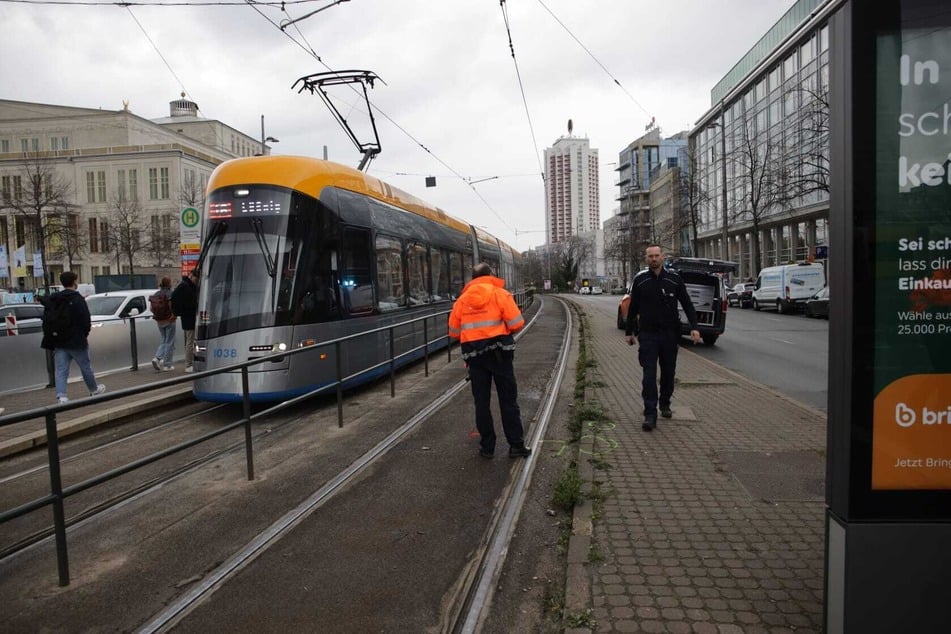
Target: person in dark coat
{"type": "Point", "coordinates": [185, 305]}
{"type": "Point", "coordinates": [652, 319]}
{"type": "Point", "coordinates": [71, 345]}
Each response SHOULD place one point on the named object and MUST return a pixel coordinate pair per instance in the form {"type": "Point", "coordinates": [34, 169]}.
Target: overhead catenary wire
{"type": "Point", "coordinates": [597, 61]}
{"type": "Point", "coordinates": [521, 87]}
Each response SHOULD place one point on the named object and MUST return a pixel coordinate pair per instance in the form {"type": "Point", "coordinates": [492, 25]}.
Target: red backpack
{"type": "Point", "coordinates": [160, 306]}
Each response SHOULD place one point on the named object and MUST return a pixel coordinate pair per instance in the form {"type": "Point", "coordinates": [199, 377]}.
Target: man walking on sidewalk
{"type": "Point", "coordinates": [653, 319]}
{"type": "Point", "coordinates": [483, 319]}
{"type": "Point", "coordinates": [66, 326]}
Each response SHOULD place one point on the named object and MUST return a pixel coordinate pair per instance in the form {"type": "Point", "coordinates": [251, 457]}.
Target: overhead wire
{"type": "Point", "coordinates": [181, 84]}
{"type": "Point", "coordinates": [521, 86]}
{"type": "Point", "coordinates": [313, 53]}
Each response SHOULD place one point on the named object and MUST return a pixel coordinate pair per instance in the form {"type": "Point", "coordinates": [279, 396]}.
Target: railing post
{"type": "Point", "coordinates": [246, 398]}
{"type": "Point", "coordinates": [135, 345]}
{"type": "Point", "coordinates": [426, 346]}
{"type": "Point", "coordinates": [56, 489]}
{"type": "Point", "coordinates": [392, 361]}
{"type": "Point", "coordinates": [339, 385]}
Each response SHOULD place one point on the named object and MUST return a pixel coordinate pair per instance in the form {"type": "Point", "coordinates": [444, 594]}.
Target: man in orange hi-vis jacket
{"type": "Point", "coordinates": [483, 319]}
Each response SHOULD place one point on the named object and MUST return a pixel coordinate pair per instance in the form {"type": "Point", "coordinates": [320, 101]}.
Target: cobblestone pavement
{"type": "Point", "coordinates": [714, 522]}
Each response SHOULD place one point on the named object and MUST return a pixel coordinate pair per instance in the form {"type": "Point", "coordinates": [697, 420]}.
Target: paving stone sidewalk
{"type": "Point", "coordinates": [714, 522]}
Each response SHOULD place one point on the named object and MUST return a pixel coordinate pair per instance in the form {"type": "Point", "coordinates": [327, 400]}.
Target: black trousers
{"type": "Point", "coordinates": [659, 346]}
{"type": "Point", "coordinates": [496, 365]}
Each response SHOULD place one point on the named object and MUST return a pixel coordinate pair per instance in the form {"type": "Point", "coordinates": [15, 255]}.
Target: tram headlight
{"type": "Point", "coordinates": [200, 348]}
{"type": "Point", "coordinates": [282, 346]}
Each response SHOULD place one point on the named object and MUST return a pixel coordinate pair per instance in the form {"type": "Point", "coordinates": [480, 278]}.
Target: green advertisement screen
{"type": "Point", "coordinates": [911, 427]}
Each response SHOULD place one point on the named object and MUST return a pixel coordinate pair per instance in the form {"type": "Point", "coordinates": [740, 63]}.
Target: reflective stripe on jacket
{"type": "Point", "coordinates": [485, 316]}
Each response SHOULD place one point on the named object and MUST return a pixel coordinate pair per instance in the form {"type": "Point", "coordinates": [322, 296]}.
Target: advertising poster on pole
{"type": "Point", "coordinates": [911, 443]}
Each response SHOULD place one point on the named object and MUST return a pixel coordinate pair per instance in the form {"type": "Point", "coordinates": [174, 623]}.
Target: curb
{"type": "Point", "coordinates": [36, 439]}
{"type": "Point", "coordinates": [577, 579]}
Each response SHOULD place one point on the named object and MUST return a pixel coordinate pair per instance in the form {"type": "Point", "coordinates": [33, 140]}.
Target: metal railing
{"type": "Point", "coordinates": [58, 493]}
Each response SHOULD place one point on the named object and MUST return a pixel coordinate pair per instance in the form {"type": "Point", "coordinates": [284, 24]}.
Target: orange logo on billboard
{"type": "Point", "coordinates": [911, 434]}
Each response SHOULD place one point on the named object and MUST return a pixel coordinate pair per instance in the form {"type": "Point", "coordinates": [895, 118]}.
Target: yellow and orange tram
{"type": "Point", "coordinates": [297, 251]}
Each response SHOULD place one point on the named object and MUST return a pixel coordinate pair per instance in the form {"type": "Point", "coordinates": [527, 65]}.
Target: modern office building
{"type": "Point", "coordinates": [761, 150]}
{"type": "Point", "coordinates": [114, 186]}
{"type": "Point", "coordinates": [572, 205]}
{"type": "Point", "coordinates": [640, 165]}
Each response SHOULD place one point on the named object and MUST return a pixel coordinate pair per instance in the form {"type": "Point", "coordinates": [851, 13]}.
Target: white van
{"type": "Point", "coordinates": [787, 287]}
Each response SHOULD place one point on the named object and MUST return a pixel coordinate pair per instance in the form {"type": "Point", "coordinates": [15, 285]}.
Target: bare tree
{"type": "Point", "coordinates": [620, 248]}
{"type": "Point", "coordinates": [162, 240]}
{"type": "Point", "coordinates": [760, 170]}
{"type": "Point", "coordinates": [67, 240]}
{"type": "Point", "coordinates": [39, 195]}
{"type": "Point", "coordinates": [125, 229]}
{"type": "Point", "coordinates": [693, 197]}
{"type": "Point", "coordinates": [807, 153]}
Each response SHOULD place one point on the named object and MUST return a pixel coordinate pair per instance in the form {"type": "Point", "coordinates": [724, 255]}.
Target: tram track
{"type": "Point", "coordinates": [369, 493]}
{"type": "Point", "coordinates": [472, 593]}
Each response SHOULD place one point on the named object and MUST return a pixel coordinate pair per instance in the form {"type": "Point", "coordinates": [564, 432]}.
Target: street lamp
{"type": "Point", "coordinates": [265, 139]}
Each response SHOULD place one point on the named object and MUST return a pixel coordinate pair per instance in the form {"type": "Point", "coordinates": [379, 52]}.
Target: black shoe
{"type": "Point", "coordinates": [665, 412]}
{"type": "Point", "coordinates": [650, 422]}
{"type": "Point", "coordinates": [486, 454]}
{"type": "Point", "coordinates": [519, 452]}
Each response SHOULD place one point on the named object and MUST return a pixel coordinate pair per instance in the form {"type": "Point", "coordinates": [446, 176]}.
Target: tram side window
{"type": "Point", "coordinates": [440, 271]}
{"type": "Point", "coordinates": [356, 281]}
{"type": "Point", "coordinates": [389, 273]}
{"type": "Point", "coordinates": [457, 274]}
{"type": "Point", "coordinates": [418, 273]}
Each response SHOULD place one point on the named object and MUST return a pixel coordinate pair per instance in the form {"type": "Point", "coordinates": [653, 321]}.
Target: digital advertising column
{"type": "Point", "coordinates": [911, 444]}
{"type": "Point", "coordinates": [888, 480]}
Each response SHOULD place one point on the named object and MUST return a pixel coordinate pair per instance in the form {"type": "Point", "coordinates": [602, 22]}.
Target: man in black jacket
{"type": "Point", "coordinates": [652, 317]}
{"type": "Point", "coordinates": [185, 305]}
{"type": "Point", "coordinates": [66, 326]}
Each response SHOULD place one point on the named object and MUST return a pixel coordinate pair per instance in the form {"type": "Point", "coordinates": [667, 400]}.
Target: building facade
{"type": "Point", "coordinates": [102, 191]}
{"type": "Point", "coordinates": [648, 177]}
{"type": "Point", "coordinates": [572, 205]}
{"type": "Point", "coordinates": [762, 150]}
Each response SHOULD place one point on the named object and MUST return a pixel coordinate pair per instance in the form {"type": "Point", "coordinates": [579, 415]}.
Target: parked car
{"type": "Point", "coordinates": [704, 281]}
{"type": "Point", "coordinates": [596, 290]}
{"type": "Point", "coordinates": [787, 287]}
{"type": "Point", "coordinates": [29, 317]}
{"type": "Point", "coordinates": [818, 304]}
{"type": "Point", "coordinates": [741, 295]}
{"type": "Point", "coordinates": [116, 306]}
{"type": "Point", "coordinates": [584, 290]}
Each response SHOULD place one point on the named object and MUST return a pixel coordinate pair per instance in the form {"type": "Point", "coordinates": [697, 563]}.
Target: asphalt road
{"type": "Point", "coordinates": [789, 353]}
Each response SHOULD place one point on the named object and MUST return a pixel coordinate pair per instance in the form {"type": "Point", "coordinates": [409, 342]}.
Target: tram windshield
{"type": "Point", "coordinates": [249, 264]}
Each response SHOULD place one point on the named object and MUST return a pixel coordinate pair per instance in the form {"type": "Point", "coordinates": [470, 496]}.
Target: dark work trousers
{"type": "Point", "coordinates": [660, 345]}
{"type": "Point", "coordinates": [497, 365]}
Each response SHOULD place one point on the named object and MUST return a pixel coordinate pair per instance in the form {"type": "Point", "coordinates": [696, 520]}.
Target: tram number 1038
{"type": "Point", "coordinates": [225, 353]}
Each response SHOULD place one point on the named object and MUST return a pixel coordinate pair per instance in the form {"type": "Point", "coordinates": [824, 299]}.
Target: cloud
{"type": "Point", "coordinates": [451, 84]}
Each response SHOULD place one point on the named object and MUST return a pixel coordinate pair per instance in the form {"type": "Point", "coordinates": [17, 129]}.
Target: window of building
{"type": "Point", "coordinates": [775, 78]}
{"type": "Point", "coordinates": [64, 143]}
{"type": "Point", "coordinates": [121, 192]}
{"type": "Point", "coordinates": [790, 66]}
{"type": "Point", "coordinates": [807, 51]}
{"type": "Point", "coordinates": [17, 187]}
{"type": "Point", "coordinates": [5, 146]}
{"type": "Point", "coordinates": [6, 187]}
{"type": "Point", "coordinates": [93, 235]}
{"type": "Point", "coordinates": [94, 271]}
{"type": "Point", "coordinates": [54, 143]}
{"type": "Point", "coordinates": [90, 187]}
{"type": "Point", "coordinates": [163, 182]}
{"type": "Point", "coordinates": [19, 230]}
{"type": "Point", "coordinates": [761, 90]}
{"type": "Point", "coordinates": [24, 145]}
{"type": "Point", "coordinates": [824, 38]}
{"type": "Point", "coordinates": [101, 185]}
{"type": "Point", "coordinates": [104, 242]}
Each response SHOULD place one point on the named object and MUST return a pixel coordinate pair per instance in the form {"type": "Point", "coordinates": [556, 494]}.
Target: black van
{"type": "Point", "coordinates": [704, 281]}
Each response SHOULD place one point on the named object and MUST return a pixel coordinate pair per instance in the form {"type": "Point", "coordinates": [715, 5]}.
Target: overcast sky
{"type": "Point", "coordinates": [452, 104]}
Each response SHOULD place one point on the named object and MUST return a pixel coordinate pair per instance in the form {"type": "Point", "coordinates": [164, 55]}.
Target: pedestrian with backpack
{"type": "Point", "coordinates": [66, 326]}
{"type": "Point", "coordinates": [160, 303]}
